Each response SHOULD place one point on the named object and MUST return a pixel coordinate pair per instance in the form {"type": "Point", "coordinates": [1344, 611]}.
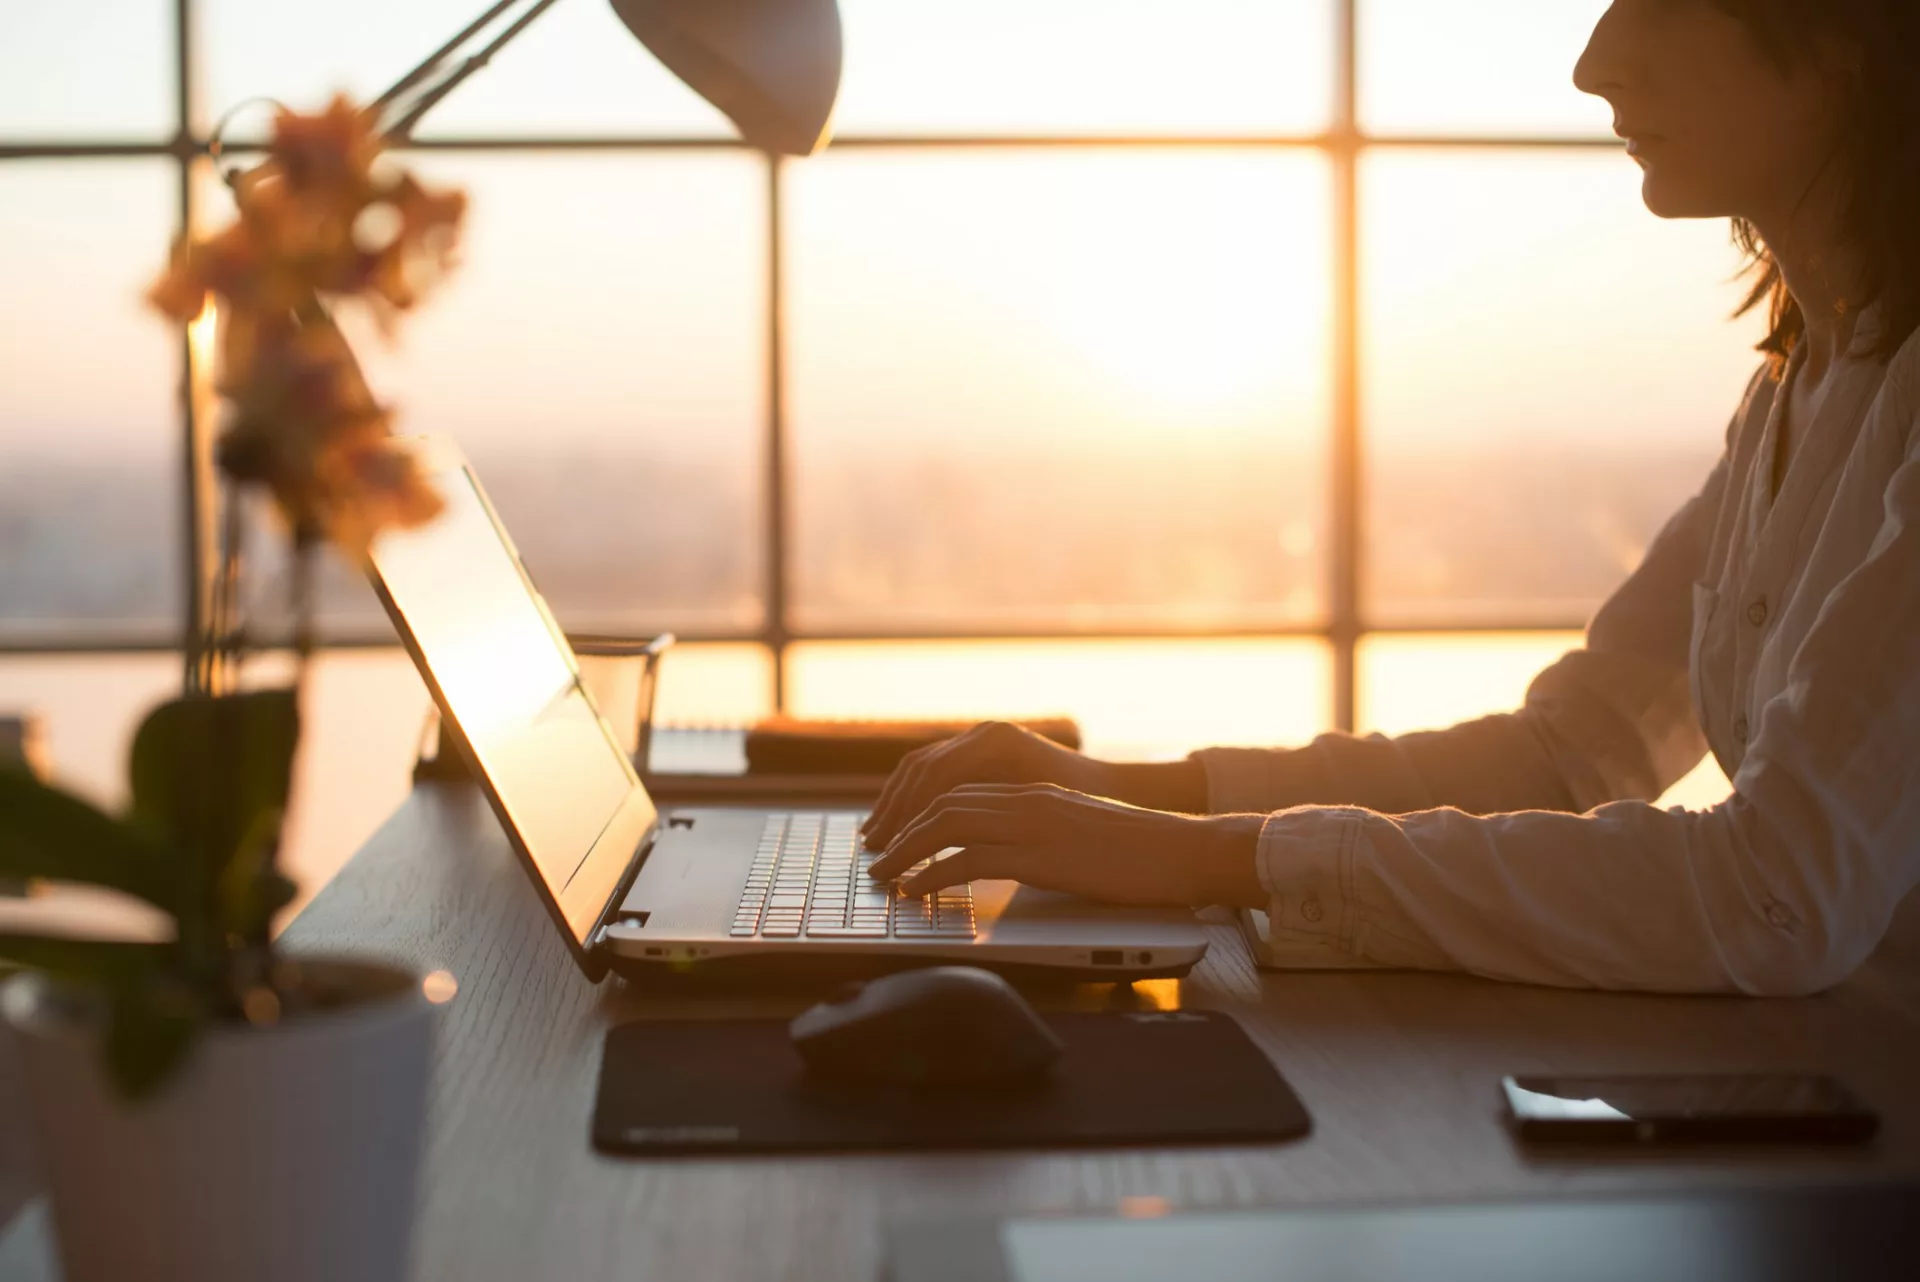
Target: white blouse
{"type": "Point", "coordinates": [1781, 633]}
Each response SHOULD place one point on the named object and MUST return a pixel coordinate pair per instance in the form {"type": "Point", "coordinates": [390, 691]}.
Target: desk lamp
{"type": "Point", "coordinates": [772, 66]}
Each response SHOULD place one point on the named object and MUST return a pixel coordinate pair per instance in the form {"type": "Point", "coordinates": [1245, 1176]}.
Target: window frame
{"type": "Point", "coordinates": [1343, 143]}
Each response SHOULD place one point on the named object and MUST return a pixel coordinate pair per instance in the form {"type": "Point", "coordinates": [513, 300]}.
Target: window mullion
{"type": "Point", "coordinates": [777, 628]}
{"type": "Point", "coordinates": [199, 544]}
{"type": "Point", "coordinates": [1344, 570]}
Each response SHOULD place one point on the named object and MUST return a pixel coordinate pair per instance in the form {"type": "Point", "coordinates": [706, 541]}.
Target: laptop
{"type": "Point", "coordinates": [635, 888]}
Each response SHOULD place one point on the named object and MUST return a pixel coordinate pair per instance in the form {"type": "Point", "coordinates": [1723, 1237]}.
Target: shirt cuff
{"type": "Point", "coordinates": [1305, 860]}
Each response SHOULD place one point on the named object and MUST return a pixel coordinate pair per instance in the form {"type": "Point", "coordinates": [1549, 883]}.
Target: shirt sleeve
{"type": "Point", "coordinates": [1611, 720]}
{"type": "Point", "coordinates": [1784, 888]}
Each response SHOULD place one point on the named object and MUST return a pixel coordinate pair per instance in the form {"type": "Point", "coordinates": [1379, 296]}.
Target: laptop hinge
{"type": "Point", "coordinates": [625, 884]}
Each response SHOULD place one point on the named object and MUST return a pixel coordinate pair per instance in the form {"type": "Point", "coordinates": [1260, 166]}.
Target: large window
{"type": "Point", "coordinates": [1223, 370]}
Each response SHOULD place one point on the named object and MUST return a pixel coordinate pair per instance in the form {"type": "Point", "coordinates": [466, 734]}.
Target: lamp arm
{"type": "Point", "coordinates": [402, 128]}
{"type": "Point", "coordinates": [438, 56]}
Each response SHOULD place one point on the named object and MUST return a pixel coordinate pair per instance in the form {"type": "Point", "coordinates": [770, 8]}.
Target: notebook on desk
{"type": "Point", "coordinates": [1863, 1233]}
{"type": "Point", "coordinates": [808, 746]}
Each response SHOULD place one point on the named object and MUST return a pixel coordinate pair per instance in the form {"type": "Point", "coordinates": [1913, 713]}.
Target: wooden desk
{"type": "Point", "coordinates": [1399, 1071]}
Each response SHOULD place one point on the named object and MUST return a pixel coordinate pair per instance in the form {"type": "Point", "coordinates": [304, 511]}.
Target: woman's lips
{"type": "Point", "coordinates": [1637, 142]}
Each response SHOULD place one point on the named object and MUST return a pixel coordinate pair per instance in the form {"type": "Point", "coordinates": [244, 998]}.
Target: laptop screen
{"type": "Point", "coordinates": [504, 674]}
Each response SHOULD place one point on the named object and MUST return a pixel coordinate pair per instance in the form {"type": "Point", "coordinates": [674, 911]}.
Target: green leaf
{"type": "Point", "coordinates": [45, 832]}
{"type": "Point", "coordinates": [251, 889]}
{"type": "Point", "coordinates": [152, 1025]}
{"type": "Point", "coordinates": [101, 963]}
{"type": "Point", "coordinates": [212, 775]}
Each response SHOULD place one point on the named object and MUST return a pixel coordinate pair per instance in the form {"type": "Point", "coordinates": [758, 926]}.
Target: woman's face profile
{"type": "Point", "coordinates": [1719, 127]}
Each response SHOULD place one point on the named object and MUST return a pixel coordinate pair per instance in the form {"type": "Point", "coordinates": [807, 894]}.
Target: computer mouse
{"type": "Point", "coordinates": [938, 1026]}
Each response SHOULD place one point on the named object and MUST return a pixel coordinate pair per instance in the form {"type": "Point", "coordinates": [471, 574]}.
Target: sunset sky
{"type": "Point", "coordinates": [1112, 294]}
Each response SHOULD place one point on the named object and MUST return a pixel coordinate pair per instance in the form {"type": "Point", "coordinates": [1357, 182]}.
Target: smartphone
{"type": "Point", "coordinates": [1743, 1108]}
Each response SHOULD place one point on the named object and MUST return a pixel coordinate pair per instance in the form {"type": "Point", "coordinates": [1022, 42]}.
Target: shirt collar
{"type": "Point", "coordinates": [1867, 329]}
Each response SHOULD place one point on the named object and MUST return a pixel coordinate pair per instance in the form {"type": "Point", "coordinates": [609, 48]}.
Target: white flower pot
{"type": "Point", "coordinates": [286, 1154]}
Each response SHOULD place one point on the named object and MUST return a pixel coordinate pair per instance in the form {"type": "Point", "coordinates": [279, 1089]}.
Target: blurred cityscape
{"type": "Point", "coordinates": [915, 539]}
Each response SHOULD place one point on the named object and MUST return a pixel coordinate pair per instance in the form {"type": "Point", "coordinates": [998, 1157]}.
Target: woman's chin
{"type": "Point", "coordinates": [1667, 198]}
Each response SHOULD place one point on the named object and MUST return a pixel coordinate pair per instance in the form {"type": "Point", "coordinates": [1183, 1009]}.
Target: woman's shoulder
{"type": "Point", "coordinates": [1891, 433]}
{"type": "Point", "coordinates": [1902, 387]}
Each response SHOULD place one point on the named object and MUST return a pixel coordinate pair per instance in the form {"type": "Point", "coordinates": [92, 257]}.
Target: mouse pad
{"type": "Point", "coordinates": [1126, 1077]}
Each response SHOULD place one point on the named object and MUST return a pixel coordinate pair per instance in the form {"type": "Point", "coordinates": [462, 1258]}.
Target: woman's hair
{"type": "Point", "coordinates": [1877, 158]}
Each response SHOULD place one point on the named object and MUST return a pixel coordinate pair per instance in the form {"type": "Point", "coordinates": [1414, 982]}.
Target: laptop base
{"type": "Point", "coordinates": [779, 970]}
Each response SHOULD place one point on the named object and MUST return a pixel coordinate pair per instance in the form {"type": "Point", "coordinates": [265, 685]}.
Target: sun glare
{"type": "Point", "coordinates": [1191, 313]}
{"type": "Point", "coordinates": [1186, 331]}
{"type": "Point", "coordinates": [1083, 294]}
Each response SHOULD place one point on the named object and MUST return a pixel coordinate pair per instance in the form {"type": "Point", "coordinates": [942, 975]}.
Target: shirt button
{"type": "Point", "coordinates": [1779, 916]}
{"type": "Point", "coordinates": [1757, 613]}
{"type": "Point", "coordinates": [1311, 910]}
{"type": "Point", "coordinates": [1740, 730]}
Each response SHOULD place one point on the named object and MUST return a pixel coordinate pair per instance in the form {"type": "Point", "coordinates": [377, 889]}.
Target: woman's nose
{"type": "Point", "coordinates": [1602, 67]}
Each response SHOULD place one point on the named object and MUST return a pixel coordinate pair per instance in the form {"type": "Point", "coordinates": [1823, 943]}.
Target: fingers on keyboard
{"type": "Point", "coordinates": [804, 880]}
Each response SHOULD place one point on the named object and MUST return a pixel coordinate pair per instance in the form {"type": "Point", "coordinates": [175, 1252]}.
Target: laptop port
{"type": "Point", "coordinates": [1108, 957]}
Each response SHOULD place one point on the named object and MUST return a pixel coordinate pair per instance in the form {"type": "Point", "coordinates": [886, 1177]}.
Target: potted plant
{"type": "Point", "coordinates": [205, 1107]}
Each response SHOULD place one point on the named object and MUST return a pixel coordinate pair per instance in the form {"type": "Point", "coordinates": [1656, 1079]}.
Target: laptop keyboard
{"type": "Point", "coordinates": [809, 881]}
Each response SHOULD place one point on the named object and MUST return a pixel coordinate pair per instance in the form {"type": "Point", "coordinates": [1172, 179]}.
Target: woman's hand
{"type": "Point", "coordinates": [1057, 839]}
{"type": "Point", "coordinates": [999, 752]}
{"type": "Point", "coordinates": [991, 752]}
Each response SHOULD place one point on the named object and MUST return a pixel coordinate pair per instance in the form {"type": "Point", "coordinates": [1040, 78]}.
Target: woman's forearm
{"type": "Point", "coordinates": [1177, 786]}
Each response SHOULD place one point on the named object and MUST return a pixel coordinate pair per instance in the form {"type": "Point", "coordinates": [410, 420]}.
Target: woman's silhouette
{"type": "Point", "coordinates": [1775, 621]}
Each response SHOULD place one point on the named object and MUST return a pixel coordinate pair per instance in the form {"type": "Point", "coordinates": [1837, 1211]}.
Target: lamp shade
{"type": "Point", "coordinates": [773, 66]}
